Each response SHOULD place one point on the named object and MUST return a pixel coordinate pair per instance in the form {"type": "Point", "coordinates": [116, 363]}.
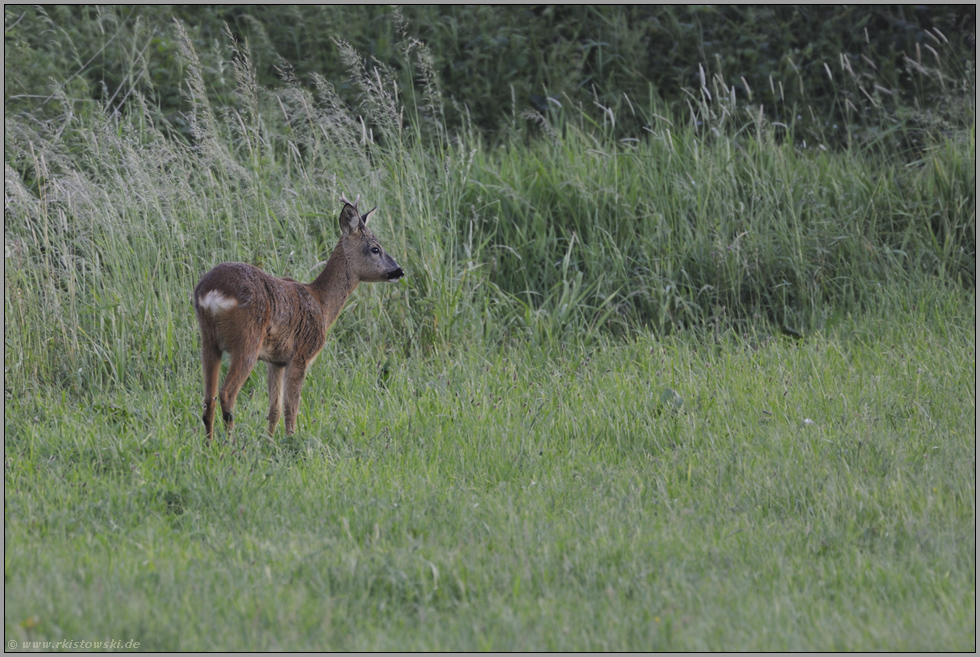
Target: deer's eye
{"type": "Point", "coordinates": [375, 250]}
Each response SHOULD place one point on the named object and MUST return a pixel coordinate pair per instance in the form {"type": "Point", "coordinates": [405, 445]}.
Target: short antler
{"type": "Point", "coordinates": [357, 200]}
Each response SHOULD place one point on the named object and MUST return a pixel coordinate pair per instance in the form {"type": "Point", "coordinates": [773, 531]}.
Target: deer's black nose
{"type": "Point", "coordinates": [395, 275]}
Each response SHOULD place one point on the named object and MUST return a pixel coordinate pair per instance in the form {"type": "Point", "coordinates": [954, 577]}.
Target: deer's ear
{"type": "Point", "coordinates": [367, 215]}
{"type": "Point", "coordinates": [350, 222]}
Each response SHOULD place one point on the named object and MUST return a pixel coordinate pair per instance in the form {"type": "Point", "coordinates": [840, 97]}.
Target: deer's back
{"type": "Point", "coordinates": [238, 303]}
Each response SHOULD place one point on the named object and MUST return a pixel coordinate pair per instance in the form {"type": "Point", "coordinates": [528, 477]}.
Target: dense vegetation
{"type": "Point", "coordinates": [491, 64]}
{"type": "Point", "coordinates": [684, 358]}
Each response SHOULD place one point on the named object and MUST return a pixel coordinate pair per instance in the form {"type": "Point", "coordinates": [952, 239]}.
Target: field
{"type": "Point", "coordinates": [653, 381]}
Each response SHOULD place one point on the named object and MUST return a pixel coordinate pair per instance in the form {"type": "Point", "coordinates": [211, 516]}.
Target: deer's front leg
{"type": "Point", "coordinates": [294, 375]}
{"type": "Point", "coordinates": [275, 379]}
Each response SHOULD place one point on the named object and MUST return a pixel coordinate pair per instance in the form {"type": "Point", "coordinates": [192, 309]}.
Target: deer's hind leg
{"type": "Point", "coordinates": [242, 363]}
{"type": "Point", "coordinates": [211, 363]}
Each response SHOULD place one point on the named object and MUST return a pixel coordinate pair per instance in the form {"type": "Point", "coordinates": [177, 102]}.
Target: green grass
{"type": "Point", "coordinates": [521, 500]}
{"type": "Point", "coordinates": [699, 389]}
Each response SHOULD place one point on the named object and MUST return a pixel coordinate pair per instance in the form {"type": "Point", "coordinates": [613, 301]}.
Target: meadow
{"type": "Point", "coordinates": [656, 379]}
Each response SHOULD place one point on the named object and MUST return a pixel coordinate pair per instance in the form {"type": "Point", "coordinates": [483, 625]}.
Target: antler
{"type": "Point", "coordinates": [357, 200]}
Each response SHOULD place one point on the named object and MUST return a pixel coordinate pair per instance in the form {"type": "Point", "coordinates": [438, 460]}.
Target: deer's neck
{"type": "Point", "coordinates": [334, 284]}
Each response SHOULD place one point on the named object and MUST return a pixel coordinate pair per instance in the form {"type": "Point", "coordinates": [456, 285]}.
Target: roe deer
{"type": "Point", "coordinates": [255, 316]}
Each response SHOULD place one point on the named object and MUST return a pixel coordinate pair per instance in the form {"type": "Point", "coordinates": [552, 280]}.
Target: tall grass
{"type": "Point", "coordinates": [719, 219]}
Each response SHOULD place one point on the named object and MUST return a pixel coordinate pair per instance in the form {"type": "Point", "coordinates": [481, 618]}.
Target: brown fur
{"type": "Point", "coordinates": [254, 316]}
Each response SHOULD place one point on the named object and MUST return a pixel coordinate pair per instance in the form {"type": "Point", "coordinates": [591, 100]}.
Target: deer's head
{"type": "Point", "coordinates": [366, 258]}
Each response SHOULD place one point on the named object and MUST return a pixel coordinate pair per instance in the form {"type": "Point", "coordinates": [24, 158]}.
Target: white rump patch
{"type": "Point", "coordinates": [216, 302]}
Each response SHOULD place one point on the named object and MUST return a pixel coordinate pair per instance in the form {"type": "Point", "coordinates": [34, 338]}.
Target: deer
{"type": "Point", "coordinates": [255, 316]}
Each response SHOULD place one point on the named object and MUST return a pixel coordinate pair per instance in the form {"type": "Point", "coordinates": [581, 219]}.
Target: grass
{"type": "Point", "coordinates": [816, 495]}
{"type": "Point", "coordinates": [701, 389]}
